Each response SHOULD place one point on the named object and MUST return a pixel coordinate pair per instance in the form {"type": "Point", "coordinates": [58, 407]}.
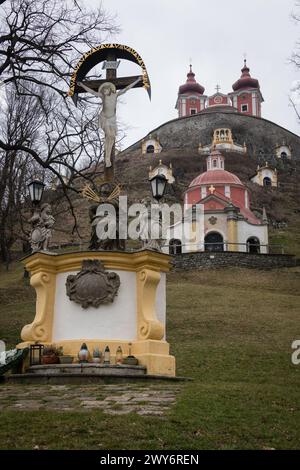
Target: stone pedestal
{"type": "Point", "coordinates": [137, 315]}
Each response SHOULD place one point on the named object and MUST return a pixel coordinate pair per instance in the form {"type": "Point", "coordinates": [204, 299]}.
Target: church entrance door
{"type": "Point", "coordinates": [214, 242]}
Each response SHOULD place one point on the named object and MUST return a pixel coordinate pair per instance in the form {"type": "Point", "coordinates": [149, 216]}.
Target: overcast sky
{"type": "Point", "coordinates": [215, 34]}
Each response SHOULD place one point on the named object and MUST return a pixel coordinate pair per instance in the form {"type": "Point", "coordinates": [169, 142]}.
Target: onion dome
{"type": "Point", "coordinates": [246, 81]}
{"type": "Point", "coordinates": [191, 86]}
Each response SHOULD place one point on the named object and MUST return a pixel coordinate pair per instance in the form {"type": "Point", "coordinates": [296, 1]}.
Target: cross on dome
{"type": "Point", "coordinates": [191, 85]}
{"type": "Point", "coordinates": [245, 81]}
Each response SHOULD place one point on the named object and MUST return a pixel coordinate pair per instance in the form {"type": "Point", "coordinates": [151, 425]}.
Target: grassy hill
{"type": "Point", "coordinates": [231, 331]}
{"type": "Point", "coordinates": [132, 168]}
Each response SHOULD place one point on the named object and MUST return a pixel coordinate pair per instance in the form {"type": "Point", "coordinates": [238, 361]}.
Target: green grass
{"type": "Point", "coordinates": [17, 300]}
{"type": "Point", "coordinates": [288, 238]}
{"type": "Point", "coordinates": [231, 331]}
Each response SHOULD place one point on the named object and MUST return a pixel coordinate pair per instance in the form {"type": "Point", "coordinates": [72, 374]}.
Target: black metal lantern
{"type": "Point", "coordinates": [36, 189]}
{"type": "Point", "coordinates": [158, 186]}
{"type": "Point", "coordinates": [36, 351]}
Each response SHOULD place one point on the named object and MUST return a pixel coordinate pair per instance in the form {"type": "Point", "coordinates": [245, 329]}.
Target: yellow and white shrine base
{"type": "Point", "coordinates": [137, 315]}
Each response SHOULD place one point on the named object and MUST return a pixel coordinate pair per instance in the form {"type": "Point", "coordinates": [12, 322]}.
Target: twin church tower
{"type": "Point", "coordinates": [245, 98]}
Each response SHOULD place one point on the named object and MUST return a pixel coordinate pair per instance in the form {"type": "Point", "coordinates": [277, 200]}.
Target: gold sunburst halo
{"type": "Point", "coordinates": [88, 193]}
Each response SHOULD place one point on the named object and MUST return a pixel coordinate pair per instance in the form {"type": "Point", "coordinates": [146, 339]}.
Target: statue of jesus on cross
{"type": "Point", "coordinates": [107, 116]}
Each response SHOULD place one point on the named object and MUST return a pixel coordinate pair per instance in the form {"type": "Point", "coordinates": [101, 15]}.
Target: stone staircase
{"type": "Point", "coordinates": [78, 373]}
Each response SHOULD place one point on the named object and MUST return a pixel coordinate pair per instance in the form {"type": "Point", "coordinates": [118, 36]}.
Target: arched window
{"type": "Point", "coordinates": [214, 163]}
{"type": "Point", "coordinates": [214, 242]}
{"type": "Point", "coordinates": [267, 181]}
{"type": "Point", "coordinates": [253, 245]}
{"type": "Point", "coordinates": [283, 155]}
{"type": "Point", "coordinates": [150, 149]}
{"type": "Point", "coordinates": [175, 247]}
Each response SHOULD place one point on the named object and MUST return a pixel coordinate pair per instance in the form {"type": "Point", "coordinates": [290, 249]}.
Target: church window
{"type": "Point", "coordinates": [193, 111]}
{"type": "Point", "coordinates": [244, 108]}
{"type": "Point", "coordinates": [214, 163]}
{"type": "Point", "coordinates": [175, 247]}
{"type": "Point", "coordinates": [267, 181]}
{"type": "Point", "coordinates": [150, 149]}
{"type": "Point", "coordinates": [283, 155]}
{"type": "Point", "coordinates": [253, 245]}
{"type": "Point", "coordinates": [194, 213]}
{"type": "Point", "coordinates": [213, 242]}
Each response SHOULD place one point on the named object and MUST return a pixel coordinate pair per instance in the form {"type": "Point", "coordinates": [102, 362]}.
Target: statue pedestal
{"type": "Point", "coordinates": [137, 315]}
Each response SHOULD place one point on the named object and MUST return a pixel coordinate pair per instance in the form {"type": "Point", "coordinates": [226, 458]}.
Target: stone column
{"type": "Point", "coordinates": [232, 228]}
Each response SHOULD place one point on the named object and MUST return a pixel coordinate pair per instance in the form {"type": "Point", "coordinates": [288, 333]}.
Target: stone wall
{"type": "Point", "coordinates": [260, 135]}
{"type": "Point", "coordinates": [204, 260]}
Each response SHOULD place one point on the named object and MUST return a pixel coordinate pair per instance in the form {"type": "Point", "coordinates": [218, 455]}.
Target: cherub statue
{"type": "Point", "coordinates": [41, 233]}
{"type": "Point", "coordinates": [107, 116]}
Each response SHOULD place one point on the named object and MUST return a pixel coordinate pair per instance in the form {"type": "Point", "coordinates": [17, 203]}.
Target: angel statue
{"type": "Point", "coordinates": [41, 232]}
{"type": "Point", "coordinates": [107, 116]}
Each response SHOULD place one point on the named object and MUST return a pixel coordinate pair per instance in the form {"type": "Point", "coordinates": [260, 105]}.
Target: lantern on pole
{"type": "Point", "coordinates": [158, 186]}
{"type": "Point", "coordinates": [36, 190]}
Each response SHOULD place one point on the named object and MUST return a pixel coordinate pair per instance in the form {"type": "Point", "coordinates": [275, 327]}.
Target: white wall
{"type": "Point", "coordinates": [116, 321]}
{"type": "Point", "coordinates": [246, 231]}
{"type": "Point", "coordinates": [112, 321]}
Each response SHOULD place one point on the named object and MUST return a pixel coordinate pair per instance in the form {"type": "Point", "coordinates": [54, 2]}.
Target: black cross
{"type": "Point", "coordinates": [111, 76]}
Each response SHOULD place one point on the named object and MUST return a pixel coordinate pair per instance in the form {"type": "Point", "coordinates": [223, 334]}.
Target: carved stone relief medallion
{"type": "Point", "coordinates": [213, 220]}
{"type": "Point", "coordinates": [92, 286]}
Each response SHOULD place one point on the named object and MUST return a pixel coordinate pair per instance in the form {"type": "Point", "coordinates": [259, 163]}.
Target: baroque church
{"type": "Point", "coordinates": [228, 224]}
{"type": "Point", "coordinates": [245, 98]}
{"type": "Point", "coordinates": [219, 152]}
{"type": "Point", "coordinates": [197, 151]}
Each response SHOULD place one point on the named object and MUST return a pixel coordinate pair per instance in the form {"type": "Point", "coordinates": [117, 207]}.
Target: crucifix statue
{"type": "Point", "coordinates": [108, 90]}
{"type": "Point", "coordinates": [107, 116]}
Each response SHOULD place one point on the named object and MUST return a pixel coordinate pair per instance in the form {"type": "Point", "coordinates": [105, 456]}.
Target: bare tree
{"type": "Point", "coordinates": [295, 60]}
{"type": "Point", "coordinates": [41, 40]}
{"type": "Point", "coordinates": [20, 122]}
